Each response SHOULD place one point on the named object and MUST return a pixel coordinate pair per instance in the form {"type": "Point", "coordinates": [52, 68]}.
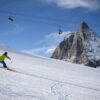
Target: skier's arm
{"type": "Point", "coordinates": [8, 57]}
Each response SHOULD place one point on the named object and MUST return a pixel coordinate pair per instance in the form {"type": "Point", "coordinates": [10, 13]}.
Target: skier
{"type": "Point", "coordinates": [2, 59]}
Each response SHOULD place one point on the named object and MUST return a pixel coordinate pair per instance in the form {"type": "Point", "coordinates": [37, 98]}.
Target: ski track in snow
{"type": "Point", "coordinates": [46, 87]}
{"type": "Point", "coordinates": [80, 86]}
{"type": "Point", "coordinates": [58, 92]}
{"type": "Point", "coordinates": [61, 90]}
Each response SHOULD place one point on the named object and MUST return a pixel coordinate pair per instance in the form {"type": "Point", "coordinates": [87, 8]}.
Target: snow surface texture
{"type": "Point", "coordinates": [94, 48]}
{"type": "Point", "coordinates": [40, 78]}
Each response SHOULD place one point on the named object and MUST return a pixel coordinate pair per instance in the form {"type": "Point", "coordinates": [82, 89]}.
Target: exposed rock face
{"type": "Point", "coordinates": [76, 48]}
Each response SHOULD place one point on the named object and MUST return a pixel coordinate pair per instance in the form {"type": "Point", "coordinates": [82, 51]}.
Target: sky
{"type": "Point", "coordinates": [35, 24]}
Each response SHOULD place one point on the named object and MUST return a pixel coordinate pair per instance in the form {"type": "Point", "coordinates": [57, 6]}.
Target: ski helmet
{"type": "Point", "coordinates": [5, 53]}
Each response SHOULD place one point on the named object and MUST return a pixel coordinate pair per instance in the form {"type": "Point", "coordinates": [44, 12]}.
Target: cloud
{"type": "Point", "coordinates": [46, 46]}
{"type": "Point", "coordinates": [50, 50]}
{"type": "Point", "coordinates": [89, 4]}
{"type": "Point", "coordinates": [53, 38]}
{"type": "Point", "coordinates": [42, 51]}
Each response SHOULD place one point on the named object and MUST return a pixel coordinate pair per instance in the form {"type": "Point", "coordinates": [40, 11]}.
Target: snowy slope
{"type": "Point", "coordinates": [94, 48]}
{"type": "Point", "coordinates": [47, 79]}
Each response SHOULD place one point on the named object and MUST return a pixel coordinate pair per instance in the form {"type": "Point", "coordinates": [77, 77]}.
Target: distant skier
{"type": "Point", "coordinates": [2, 59]}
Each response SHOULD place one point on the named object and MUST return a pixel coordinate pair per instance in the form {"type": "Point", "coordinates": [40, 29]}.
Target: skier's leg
{"type": "Point", "coordinates": [4, 64]}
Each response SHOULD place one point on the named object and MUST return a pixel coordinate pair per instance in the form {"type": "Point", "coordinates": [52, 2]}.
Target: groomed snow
{"type": "Point", "coordinates": [39, 78]}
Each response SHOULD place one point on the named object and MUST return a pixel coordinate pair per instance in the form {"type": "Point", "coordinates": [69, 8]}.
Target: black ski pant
{"type": "Point", "coordinates": [4, 64]}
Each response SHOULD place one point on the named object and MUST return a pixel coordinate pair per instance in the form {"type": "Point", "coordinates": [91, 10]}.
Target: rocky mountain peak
{"type": "Point", "coordinates": [84, 25]}
{"type": "Point", "coordinates": [85, 31]}
{"type": "Point", "coordinates": [79, 47]}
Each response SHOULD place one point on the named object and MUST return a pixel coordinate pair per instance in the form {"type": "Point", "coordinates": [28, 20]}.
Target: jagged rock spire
{"type": "Point", "coordinates": [76, 47]}
{"type": "Point", "coordinates": [83, 27]}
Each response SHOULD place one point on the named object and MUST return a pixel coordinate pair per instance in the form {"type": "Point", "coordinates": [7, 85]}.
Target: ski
{"type": "Point", "coordinates": [11, 69]}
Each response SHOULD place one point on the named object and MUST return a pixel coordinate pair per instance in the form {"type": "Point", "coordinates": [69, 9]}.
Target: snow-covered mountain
{"type": "Point", "coordinates": [81, 47]}
{"type": "Point", "coordinates": [40, 78]}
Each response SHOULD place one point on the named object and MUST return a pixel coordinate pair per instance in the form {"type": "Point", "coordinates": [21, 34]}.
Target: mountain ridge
{"type": "Point", "coordinates": [80, 47]}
